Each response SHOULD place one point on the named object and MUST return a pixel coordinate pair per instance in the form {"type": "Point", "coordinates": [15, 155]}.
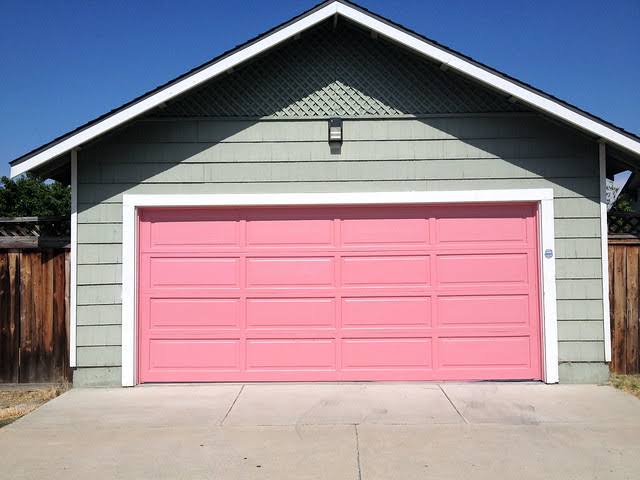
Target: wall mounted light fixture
{"type": "Point", "coordinates": [335, 131]}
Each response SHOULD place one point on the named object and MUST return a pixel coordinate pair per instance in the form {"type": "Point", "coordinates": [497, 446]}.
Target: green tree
{"type": "Point", "coordinates": [32, 196]}
{"type": "Point", "coordinates": [622, 204]}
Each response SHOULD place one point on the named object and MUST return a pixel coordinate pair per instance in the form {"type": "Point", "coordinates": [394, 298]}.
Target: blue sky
{"type": "Point", "coordinates": [63, 63]}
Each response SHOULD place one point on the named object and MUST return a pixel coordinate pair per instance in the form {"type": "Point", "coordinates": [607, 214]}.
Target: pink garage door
{"type": "Point", "coordinates": [339, 293]}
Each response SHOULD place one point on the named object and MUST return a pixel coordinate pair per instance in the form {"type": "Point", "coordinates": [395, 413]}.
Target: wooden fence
{"type": "Point", "coordinates": [624, 296]}
{"type": "Point", "coordinates": [34, 300]}
{"type": "Point", "coordinates": [34, 232]}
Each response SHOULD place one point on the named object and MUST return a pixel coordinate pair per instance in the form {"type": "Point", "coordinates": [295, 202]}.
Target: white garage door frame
{"type": "Point", "coordinates": [543, 197]}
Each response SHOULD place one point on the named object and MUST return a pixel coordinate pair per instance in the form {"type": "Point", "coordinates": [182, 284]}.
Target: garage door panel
{"type": "Point", "coordinates": [389, 232]}
{"type": "Point", "coordinates": [291, 272]}
{"type": "Point", "coordinates": [481, 230]}
{"type": "Point", "coordinates": [291, 354]}
{"type": "Point", "coordinates": [202, 272]}
{"type": "Point", "coordinates": [292, 233]}
{"type": "Point", "coordinates": [485, 352]}
{"type": "Point", "coordinates": [484, 223]}
{"type": "Point", "coordinates": [277, 313]}
{"type": "Point", "coordinates": [195, 234]}
{"type": "Point", "coordinates": [386, 312]}
{"type": "Point", "coordinates": [487, 269]}
{"type": "Point", "coordinates": [339, 293]}
{"type": "Point", "coordinates": [386, 353]}
{"type": "Point", "coordinates": [190, 354]}
{"type": "Point", "coordinates": [385, 271]}
{"type": "Point", "coordinates": [189, 313]}
{"type": "Point", "coordinates": [483, 310]}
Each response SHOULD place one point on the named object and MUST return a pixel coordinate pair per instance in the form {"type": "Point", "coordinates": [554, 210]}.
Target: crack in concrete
{"type": "Point", "coordinates": [232, 405]}
{"type": "Point", "coordinates": [453, 404]}
{"type": "Point", "coordinates": [355, 427]}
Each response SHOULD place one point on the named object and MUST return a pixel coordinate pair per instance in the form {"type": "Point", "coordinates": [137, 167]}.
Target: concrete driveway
{"type": "Point", "coordinates": [335, 431]}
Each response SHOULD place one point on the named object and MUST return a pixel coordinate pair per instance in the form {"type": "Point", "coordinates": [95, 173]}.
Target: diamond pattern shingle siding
{"type": "Point", "coordinates": [341, 72]}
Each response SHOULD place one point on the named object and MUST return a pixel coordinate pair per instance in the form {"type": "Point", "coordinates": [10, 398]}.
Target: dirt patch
{"type": "Point", "coordinates": [627, 383]}
{"type": "Point", "coordinates": [17, 401]}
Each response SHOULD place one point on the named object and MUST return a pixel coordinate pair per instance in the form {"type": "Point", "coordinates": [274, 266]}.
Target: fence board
{"type": "Point", "coordinates": [9, 327]}
{"type": "Point", "coordinates": [14, 304]}
{"type": "Point", "coordinates": [631, 336]}
{"type": "Point", "coordinates": [59, 330]}
{"type": "Point", "coordinates": [624, 292]}
{"type": "Point", "coordinates": [27, 316]}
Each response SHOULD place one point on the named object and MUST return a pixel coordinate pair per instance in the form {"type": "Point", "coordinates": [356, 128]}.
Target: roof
{"type": "Point", "coordinates": [449, 58]}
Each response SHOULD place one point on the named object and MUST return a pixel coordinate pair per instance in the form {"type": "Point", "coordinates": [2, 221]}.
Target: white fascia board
{"type": "Point", "coordinates": [542, 196]}
{"type": "Point", "coordinates": [496, 81]}
{"type": "Point", "coordinates": [447, 59]}
{"type": "Point", "coordinates": [174, 90]}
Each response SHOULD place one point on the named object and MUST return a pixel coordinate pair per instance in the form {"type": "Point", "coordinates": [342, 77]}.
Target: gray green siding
{"type": "Point", "coordinates": [456, 152]}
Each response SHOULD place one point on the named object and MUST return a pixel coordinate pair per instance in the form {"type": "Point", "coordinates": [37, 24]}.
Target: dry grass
{"type": "Point", "coordinates": [627, 383]}
{"type": "Point", "coordinates": [18, 401]}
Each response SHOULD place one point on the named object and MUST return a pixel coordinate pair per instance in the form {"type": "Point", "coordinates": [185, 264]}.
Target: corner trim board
{"type": "Point", "coordinates": [129, 292]}
{"type": "Point", "coordinates": [543, 197]}
{"type": "Point", "coordinates": [73, 294]}
{"type": "Point", "coordinates": [549, 303]}
{"type": "Point", "coordinates": [604, 242]}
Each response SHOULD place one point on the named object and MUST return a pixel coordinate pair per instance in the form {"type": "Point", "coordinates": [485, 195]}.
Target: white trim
{"type": "Point", "coordinates": [544, 197]}
{"type": "Point", "coordinates": [549, 304]}
{"type": "Point", "coordinates": [73, 260]}
{"type": "Point", "coordinates": [423, 47]}
{"type": "Point", "coordinates": [604, 241]}
{"type": "Point", "coordinates": [360, 198]}
{"type": "Point", "coordinates": [129, 292]}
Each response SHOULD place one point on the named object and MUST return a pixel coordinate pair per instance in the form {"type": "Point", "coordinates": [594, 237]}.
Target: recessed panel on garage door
{"type": "Point", "coordinates": [393, 231]}
{"type": "Point", "coordinates": [483, 224]}
{"type": "Point", "coordinates": [377, 312]}
{"type": "Point", "coordinates": [386, 353]}
{"type": "Point", "coordinates": [484, 353]}
{"type": "Point", "coordinates": [385, 270]}
{"type": "Point", "coordinates": [290, 272]}
{"type": "Point", "coordinates": [196, 313]}
{"type": "Point", "coordinates": [285, 354]}
{"type": "Point", "coordinates": [291, 233]}
{"type": "Point", "coordinates": [167, 272]}
{"type": "Point", "coordinates": [194, 354]}
{"type": "Point", "coordinates": [483, 310]}
{"type": "Point", "coordinates": [293, 312]}
{"type": "Point", "coordinates": [194, 229]}
{"type": "Point", "coordinates": [483, 269]}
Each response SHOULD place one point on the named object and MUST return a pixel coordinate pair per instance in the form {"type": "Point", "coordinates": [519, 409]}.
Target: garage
{"type": "Point", "coordinates": [339, 198]}
{"type": "Point", "coordinates": [338, 293]}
